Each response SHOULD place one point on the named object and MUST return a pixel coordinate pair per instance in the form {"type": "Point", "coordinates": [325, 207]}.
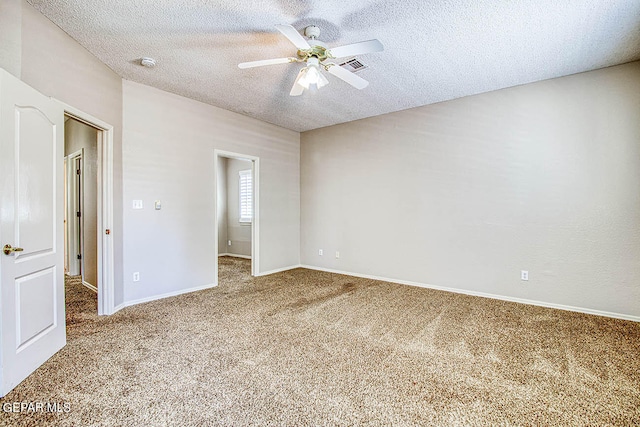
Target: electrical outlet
{"type": "Point", "coordinates": [320, 252]}
{"type": "Point", "coordinates": [524, 275]}
{"type": "Point", "coordinates": [229, 243]}
{"type": "Point", "coordinates": [337, 254]}
{"type": "Point", "coordinates": [136, 276]}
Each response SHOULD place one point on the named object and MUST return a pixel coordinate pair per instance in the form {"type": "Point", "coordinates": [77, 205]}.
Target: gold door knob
{"type": "Point", "coordinates": [8, 249]}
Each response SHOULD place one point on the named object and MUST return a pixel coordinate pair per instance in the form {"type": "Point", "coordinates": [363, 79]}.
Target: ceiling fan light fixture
{"type": "Point", "coordinates": [312, 75]}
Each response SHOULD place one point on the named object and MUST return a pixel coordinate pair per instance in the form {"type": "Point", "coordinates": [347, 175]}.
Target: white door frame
{"type": "Point", "coordinates": [66, 233]}
{"type": "Point", "coordinates": [106, 266]}
{"type": "Point", "coordinates": [255, 223]}
{"type": "Point", "coordinates": [75, 266]}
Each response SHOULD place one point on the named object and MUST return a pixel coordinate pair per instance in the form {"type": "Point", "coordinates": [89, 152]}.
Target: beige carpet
{"type": "Point", "coordinates": [311, 348]}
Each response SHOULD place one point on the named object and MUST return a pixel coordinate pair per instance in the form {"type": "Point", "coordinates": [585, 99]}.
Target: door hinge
{"type": "Point", "coordinates": [78, 214]}
{"type": "Point", "coordinates": [78, 171]}
{"type": "Point", "coordinates": [79, 256]}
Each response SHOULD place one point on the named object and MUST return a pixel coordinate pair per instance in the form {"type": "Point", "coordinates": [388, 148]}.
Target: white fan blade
{"type": "Point", "coordinates": [297, 88]}
{"type": "Point", "coordinates": [356, 49]}
{"type": "Point", "coordinates": [266, 62]}
{"type": "Point", "coordinates": [294, 36]}
{"type": "Point", "coordinates": [348, 76]}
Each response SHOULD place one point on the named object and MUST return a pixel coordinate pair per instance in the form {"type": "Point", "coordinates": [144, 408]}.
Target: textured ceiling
{"type": "Point", "coordinates": [434, 50]}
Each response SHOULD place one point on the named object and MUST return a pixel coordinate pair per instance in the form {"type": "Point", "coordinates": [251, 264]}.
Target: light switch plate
{"type": "Point", "coordinates": [137, 204]}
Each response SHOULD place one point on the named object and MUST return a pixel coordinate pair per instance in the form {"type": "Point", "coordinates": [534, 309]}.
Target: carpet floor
{"type": "Point", "coordinates": [311, 348]}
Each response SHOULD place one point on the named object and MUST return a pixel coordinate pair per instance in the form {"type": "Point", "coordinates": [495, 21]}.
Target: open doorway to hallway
{"type": "Point", "coordinates": [103, 183]}
{"type": "Point", "coordinates": [81, 202]}
{"type": "Point", "coordinates": [237, 214]}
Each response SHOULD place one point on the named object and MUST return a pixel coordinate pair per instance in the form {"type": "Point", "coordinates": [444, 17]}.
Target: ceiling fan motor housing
{"type": "Point", "coordinates": [312, 31]}
{"type": "Point", "coordinates": [318, 49]}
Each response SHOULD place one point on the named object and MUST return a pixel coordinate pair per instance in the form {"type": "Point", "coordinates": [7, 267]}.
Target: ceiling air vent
{"type": "Point", "coordinates": [354, 65]}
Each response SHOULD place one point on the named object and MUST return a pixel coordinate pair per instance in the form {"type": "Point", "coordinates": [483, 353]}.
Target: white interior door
{"type": "Point", "coordinates": [31, 219]}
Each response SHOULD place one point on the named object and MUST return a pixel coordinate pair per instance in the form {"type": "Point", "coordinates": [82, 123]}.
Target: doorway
{"type": "Point", "coordinates": [237, 208]}
{"type": "Point", "coordinates": [89, 148]}
{"type": "Point", "coordinates": [81, 204]}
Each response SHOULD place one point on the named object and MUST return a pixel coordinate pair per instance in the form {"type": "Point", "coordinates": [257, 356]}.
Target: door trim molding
{"type": "Point", "coordinates": [106, 284]}
{"type": "Point", "coordinates": [255, 224]}
{"type": "Point", "coordinates": [72, 237]}
{"type": "Point", "coordinates": [90, 286]}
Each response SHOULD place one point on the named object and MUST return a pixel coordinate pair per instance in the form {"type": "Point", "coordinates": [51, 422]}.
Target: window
{"type": "Point", "coordinates": [246, 196]}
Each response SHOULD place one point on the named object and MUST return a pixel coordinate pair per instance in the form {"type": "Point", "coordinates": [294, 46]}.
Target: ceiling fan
{"type": "Point", "coordinates": [315, 54]}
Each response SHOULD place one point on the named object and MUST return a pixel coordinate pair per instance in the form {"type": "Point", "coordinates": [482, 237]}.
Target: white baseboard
{"type": "Point", "coordinates": [118, 308]}
{"type": "Point", "coordinates": [90, 286]}
{"type": "Point", "coordinates": [482, 294]}
{"type": "Point", "coordinates": [235, 255]}
{"type": "Point", "coordinates": [166, 295]}
{"type": "Point", "coordinates": [278, 270]}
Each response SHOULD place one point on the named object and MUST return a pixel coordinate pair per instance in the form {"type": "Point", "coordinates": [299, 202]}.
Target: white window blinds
{"type": "Point", "coordinates": [246, 196]}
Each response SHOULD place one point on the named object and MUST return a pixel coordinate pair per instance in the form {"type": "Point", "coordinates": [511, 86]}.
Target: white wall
{"type": "Point", "coordinates": [78, 136]}
{"type": "Point", "coordinates": [464, 194]}
{"type": "Point", "coordinates": [11, 36]}
{"type": "Point", "coordinates": [239, 233]}
{"type": "Point", "coordinates": [46, 58]}
{"type": "Point", "coordinates": [169, 155]}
